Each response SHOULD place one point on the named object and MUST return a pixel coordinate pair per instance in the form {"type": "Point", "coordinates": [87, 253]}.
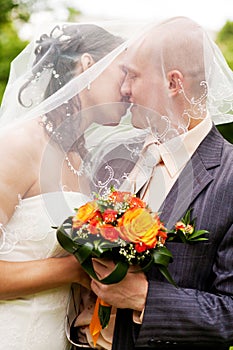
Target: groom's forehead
{"type": "Point", "coordinates": [133, 57]}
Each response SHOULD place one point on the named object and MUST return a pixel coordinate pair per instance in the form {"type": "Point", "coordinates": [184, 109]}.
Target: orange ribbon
{"type": "Point", "coordinates": [95, 325]}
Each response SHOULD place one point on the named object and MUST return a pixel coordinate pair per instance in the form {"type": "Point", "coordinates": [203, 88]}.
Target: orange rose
{"type": "Point", "coordinates": [109, 215]}
{"type": "Point", "coordinates": [139, 225]}
{"type": "Point", "coordinates": [109, 232]}
{"type": "Point", "coordinates": [85, 213]}
{"type": "Point", "coordinates": [120, 196]}
{"type": "Point", "coordinates": [137, 203]}
{"type": "Point", "coordinates": [95, 222]}
{"type": "Point", "coordinates": [162, 234]}
{"type": "Point", "coordinates": [140, 247]}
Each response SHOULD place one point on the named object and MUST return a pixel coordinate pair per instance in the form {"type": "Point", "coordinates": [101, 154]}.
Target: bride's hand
{"type": "Point", "coordinates": [77, 274]}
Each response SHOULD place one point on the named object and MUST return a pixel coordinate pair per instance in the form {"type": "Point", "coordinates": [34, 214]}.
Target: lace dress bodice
{"type": "Point", "coordinates": [36, 322]}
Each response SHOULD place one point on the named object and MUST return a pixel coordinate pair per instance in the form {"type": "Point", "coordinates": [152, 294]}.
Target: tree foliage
{"type": "Point", "coordinates": [8, 52]}
{"type": "Point", "coordinates": [224, 40]}
{"type": "Point", "coordinates": [10, 43]}
{"type": "Point", "coordinates": [12, 16]}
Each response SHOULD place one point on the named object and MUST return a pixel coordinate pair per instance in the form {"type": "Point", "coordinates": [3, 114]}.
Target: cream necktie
{"type": "Point", "coordinates": [142, 171]}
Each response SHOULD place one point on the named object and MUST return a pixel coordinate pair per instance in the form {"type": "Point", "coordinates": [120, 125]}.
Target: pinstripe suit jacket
{"type": "Point", "coordinates": [200, 311]}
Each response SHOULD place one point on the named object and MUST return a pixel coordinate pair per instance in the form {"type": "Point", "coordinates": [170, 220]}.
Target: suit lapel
{"type": "Point", "coordinates": [193, 179]}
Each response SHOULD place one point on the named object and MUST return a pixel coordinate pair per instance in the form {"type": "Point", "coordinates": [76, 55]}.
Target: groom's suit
{"type": "Point", "coordinates": [199, 313]}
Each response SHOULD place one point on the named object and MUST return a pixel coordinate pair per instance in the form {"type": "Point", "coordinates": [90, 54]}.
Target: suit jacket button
{"type": "Point", "coordinates": [151, 342]}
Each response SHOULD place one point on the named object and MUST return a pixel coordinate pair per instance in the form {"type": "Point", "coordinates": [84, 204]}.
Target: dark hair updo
{"type": "Point", "coordinates": [60, 52]}
{"type": "Point", "coordinates": [63, 52]}
{"type": "Point", "coordinates": [63, 47]}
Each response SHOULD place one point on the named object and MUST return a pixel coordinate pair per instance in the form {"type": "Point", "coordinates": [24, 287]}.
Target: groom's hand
{"type": "Point", "coordinates": [129, 293]}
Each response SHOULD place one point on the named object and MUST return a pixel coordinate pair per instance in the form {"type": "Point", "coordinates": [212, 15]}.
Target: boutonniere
{"type": "Point", "coordinates": [185, 232]}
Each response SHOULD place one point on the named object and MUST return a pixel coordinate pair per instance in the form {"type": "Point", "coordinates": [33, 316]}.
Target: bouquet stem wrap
{"type": "Point", "coordinates": [99, 319]}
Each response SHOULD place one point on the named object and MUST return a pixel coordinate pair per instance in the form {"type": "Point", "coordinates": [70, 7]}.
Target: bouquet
{"type": "Point", "coordinates": [120, 226]}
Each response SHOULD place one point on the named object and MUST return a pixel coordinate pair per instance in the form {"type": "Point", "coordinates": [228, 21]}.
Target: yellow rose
{"type": "Point", "coordinates": [85, 213]}
{"type": "Point", "coordinates": [139, 225]}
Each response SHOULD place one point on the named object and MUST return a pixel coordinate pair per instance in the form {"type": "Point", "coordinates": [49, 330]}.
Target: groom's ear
{"type": "Point", "coordinates": [174, 78]}
{"type": "Point", "coordinates": [86, 61]}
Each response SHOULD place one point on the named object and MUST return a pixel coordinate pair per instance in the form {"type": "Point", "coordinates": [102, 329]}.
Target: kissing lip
{"type": "Point", "coordinates": [126, 99]}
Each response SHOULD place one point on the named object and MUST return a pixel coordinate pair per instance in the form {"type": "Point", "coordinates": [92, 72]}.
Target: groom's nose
{"type": "Point", "coordinates": [125, 87]}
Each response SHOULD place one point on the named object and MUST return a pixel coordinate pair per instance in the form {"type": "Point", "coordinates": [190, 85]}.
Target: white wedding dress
{"type": "Point", "coordinates": [36, 322]}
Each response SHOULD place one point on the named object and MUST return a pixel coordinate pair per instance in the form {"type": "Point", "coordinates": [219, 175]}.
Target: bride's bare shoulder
{"type": "Point", "coordinates": [22, 139]}
{"type": "Point", "coordinates": [21, 146]}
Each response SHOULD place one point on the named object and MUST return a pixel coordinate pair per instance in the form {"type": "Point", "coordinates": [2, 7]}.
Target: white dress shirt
{"type": "Point", "coordinates": [175, 154]}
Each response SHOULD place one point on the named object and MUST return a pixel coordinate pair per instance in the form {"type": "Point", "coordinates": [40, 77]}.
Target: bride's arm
{"type": "Point", "coordinates": [18, 172]}
{"type": "Point", "coordinates": [18, 279]}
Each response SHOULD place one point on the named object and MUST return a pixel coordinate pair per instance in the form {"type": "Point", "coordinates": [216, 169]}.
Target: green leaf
{"type": "Point", "coordinates": [146, 267]}
{"type": "Point", "coordinates": [83, 252]}
{"type": "Point", "coordinates": [182, 236]}
{"type": "Point", "coordinates": [165, 251]}
{"type": "Point", "coordinates": [65, 241]}
{"type": "Point", "coordinates": [101, 247]}
{"type": "Point", "coordinates": [186, 218]}
{"type": "Point", "coordinates": [198, 239]}
{"type": "Point", "coordinates": [117, 274]}
{"type": "Point", "coordinates": [196, 234]}
{"type": "Point", "coordinates": [87, 265]}
{"type": "Point", "coordinates": [167, 275]}
{"type": "Point", "coordinates": [104, 313]}
{"type": "Point", "coordinates": [162, 256]}
{"type": "Point", "coordinates": [171, 237]}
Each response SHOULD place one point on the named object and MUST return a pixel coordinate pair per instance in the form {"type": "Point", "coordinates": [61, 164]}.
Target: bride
{"type": "Point", "coordinates": [54, 86]}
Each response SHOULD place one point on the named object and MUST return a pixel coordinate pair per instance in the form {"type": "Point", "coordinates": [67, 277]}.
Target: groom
{"type": "Point", "coordinates": [166, 72]}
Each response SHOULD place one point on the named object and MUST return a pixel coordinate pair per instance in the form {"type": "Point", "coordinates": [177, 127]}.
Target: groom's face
{"type": "Point", "coordinates": [105, 93]}
{"type": "Point", "coordinates": [143, 82]}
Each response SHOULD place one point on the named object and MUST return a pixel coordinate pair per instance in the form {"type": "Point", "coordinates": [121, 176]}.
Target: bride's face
{"type": "Point", "coordinates": [105, 93]}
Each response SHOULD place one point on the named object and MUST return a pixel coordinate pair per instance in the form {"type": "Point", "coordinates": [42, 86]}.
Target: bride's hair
{"type": "Point", "coordinates": [64, 51]}
{"type": "Point", "coordinates": [59, 52]}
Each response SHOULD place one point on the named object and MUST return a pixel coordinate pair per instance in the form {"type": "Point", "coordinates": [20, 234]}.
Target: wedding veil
{"type": "Point", "coordinates": [46, 81]}
{"type": "Point", "coordinates": [36, 67]}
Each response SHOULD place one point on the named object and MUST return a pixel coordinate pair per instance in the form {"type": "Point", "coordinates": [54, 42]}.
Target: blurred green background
{"type": "Point", "coordinates": [15, 14]}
